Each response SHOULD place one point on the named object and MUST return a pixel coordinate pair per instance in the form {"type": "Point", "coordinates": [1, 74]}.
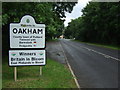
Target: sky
{"type": "Point", "coordinates": [76, 11]}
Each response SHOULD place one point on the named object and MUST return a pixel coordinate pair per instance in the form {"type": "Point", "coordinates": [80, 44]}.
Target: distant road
{"type": "Point", "coordinates": [94, 67]}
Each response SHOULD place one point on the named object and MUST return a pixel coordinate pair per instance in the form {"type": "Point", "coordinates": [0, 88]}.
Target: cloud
{"type": "Point", "coordinates": [76, 11]}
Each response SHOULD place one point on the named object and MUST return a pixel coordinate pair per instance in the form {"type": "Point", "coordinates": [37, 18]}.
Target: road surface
{"type": "Point", "coordinates": [94, 67]}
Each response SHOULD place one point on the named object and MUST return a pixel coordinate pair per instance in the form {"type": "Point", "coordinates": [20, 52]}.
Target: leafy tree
{"type": "Point", "coordinates": [48, 13]}
{"type": "Point", "coordinates": [98, 23]}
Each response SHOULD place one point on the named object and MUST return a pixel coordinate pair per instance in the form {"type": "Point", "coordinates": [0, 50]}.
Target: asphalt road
{"type": "Point", "coordinates": [94, 67]}
{"type": "Point", "coordinates": [55, 52]}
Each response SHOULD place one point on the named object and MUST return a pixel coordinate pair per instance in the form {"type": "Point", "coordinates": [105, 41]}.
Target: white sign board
{"type": "Point", "coordinates": [26, 57]}
{"type": "Point", "coordinates": [27, 34]}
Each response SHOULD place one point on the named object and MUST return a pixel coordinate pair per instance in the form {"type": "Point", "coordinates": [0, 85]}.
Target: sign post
{"type": "Point", "coordinates": [40, 70]}
{"type": "Point", "coordinates": [15, 73]}
{"type": "Point", "coordinates": [26, 41]}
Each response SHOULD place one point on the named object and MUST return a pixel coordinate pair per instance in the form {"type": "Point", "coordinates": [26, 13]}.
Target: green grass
{"type": "Point", "coordinates": [52, 40]}
{"type": "Point", "coordinates": [55, 75]}
{"type": "Point", "coordinates": [102, 45]}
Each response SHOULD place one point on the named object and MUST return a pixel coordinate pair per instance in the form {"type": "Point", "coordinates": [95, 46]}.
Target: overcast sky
{"type": "Point", "coordinates": [76, 11]}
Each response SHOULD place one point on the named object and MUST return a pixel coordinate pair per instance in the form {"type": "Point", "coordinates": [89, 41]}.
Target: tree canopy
{"type": "Point", "coordinates": [48, 13]}
{"type": "Point", "coordinates": [99, 23]}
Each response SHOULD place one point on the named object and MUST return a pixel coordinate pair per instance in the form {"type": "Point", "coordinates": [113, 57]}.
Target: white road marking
{"type": "Point", "coordinates": [105, 55]}
{"type": "Point", "coordinates": [70, 67]}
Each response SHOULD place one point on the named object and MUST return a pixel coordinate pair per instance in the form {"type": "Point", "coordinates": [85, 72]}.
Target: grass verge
{"type": "Point", "coordinates": [102, 45]}
{"type": "Point", "coordinates": [52, 40]}
{"type": "Point", "coordinates": [55, 75]}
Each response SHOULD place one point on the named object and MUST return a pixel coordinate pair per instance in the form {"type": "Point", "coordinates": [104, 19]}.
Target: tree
{"type": "Point", "coordinates": [48, 13]}
{"type": "Point", "coordinates": [98, 23]}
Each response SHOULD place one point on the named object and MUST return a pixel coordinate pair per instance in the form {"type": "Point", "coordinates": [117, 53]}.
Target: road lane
{"type": "Point", "coordinates": [92, 70]}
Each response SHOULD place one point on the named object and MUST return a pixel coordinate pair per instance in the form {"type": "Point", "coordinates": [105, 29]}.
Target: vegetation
{"type": "Point", "coordinates": [99, 23]}
{"type": "Point", "coordinates": [48, 13]}
{"type": "Point", "coordinates": [54, 75]}
{"type": "Point", "coordinates": [115, 47]}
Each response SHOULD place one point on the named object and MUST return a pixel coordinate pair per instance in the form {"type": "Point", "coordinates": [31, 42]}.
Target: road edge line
{"type": "Point", "coordinates": [75, 79]}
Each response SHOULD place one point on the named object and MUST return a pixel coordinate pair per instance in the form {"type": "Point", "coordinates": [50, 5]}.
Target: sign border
{"type": "Point", "coordinates": [26, 47]}
{"type": "Point", "coordinates": [27, 65]}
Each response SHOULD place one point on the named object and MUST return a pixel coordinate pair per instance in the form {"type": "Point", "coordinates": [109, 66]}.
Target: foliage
{"type": "Point", "coordinates": [48, 13]}
{"type": "Point", "coordinates": [54, 75]}
{"type": "Point", "coordinates": [98, 23]}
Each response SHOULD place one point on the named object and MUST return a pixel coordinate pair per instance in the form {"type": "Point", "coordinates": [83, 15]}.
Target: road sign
{"type": "Point", "coordinates": [27, 34]}
{"type": "Point", "coordinates": [26, 57]}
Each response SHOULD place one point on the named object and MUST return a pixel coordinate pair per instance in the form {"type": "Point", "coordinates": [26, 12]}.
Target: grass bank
{"type": "Point", "coordinates": [102, 45]}
{"type": "Point", "coordinates": [52, 40]}
{"type": "Point", "coordinates": [55, 75]}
